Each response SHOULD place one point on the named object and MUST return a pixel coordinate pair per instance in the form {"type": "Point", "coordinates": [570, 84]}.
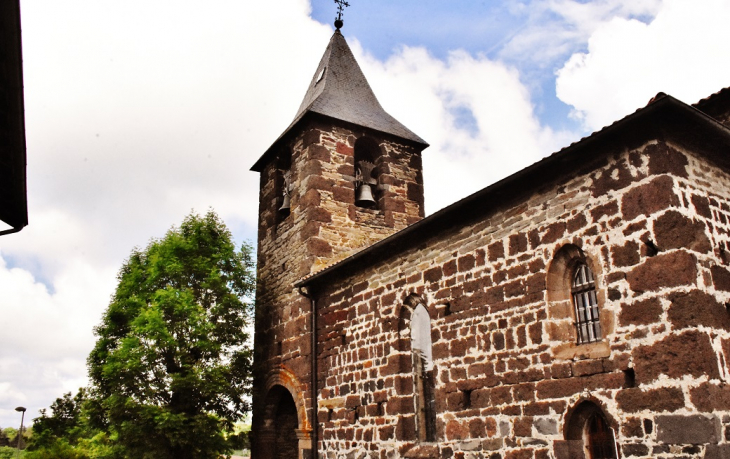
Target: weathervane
{"type": "Point", "coordinates": [341, 4]}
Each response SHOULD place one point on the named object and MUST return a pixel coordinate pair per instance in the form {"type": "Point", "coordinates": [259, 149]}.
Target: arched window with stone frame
{"type": "Point", "coordinates": [423, 374]}
{"type": "Point", "coordinates": [579, 320]}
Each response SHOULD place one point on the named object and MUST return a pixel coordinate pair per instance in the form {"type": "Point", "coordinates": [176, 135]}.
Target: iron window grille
{"type": "Point", "coordinates": [585, 302]}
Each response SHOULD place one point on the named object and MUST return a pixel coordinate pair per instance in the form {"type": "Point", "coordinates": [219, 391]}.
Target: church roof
{"type": "Point", "coordinates": [663, 118]}
{"type": "Point", "coordinates": [340, 90]}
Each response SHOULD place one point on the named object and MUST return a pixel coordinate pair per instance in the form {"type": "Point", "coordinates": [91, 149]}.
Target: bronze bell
{"type": "Point", "coordinates": [364, 197]}
{"type": "Point", "coordinates": [286, 192]}
{"type": "Point", "coordinates": [285, 206]}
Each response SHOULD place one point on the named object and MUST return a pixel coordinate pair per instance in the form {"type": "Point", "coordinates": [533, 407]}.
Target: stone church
{"type": "Point", "coordinates": [576, 309]}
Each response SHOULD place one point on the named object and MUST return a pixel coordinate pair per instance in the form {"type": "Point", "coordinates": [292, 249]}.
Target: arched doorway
{"type": "Point", "coordinates": [279, 439]}
{"type": "Point", "coordinates": [588, 431]}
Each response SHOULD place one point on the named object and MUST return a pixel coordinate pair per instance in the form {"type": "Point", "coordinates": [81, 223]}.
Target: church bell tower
{"type": "Point", "coordinates": [344, 175]}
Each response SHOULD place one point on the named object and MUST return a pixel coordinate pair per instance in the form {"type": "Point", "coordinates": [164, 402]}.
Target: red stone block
{"type": "Point", "coordinates": [690, 353]}
{"type": "Point", "coordinates": [697, 308]}
{"type": "Point", "coordinates": [559, 388]}
{"type": "Point", "coordinates": [675, 231]}
{"type": "Point", "coordinates": [517, 244]}
{"type": "Point", "coordinates": [344, 149]}
{"type": "Point", "coordinates": [649, 198]}
{"type": "Point", "coordinates": [433, 274]}
{"type": "Point", "coordinates": [449, 268]}
{"type": "Point", "coordinates": [664, 159]}
{"type": "Point", "coordinates": [640, 313]}
{"type": "Point", "coordinates": [663, 399]}
{"type": "Point", "coordinates": [665, 270]}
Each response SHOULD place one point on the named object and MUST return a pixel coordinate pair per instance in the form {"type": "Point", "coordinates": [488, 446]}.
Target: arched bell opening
{"type": "Point", "coordinates": [283, 185]}
{"type": "Point", "coordinates": [367, 153]}
{"type": "Point", "coordinates": [588, 432]}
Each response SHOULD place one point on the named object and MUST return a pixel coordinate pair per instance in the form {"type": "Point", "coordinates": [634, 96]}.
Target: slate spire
{"type": "Point", "coordinates": [339, 90]}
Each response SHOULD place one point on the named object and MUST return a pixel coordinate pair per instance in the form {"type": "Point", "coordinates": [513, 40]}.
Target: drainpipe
{"type": "Point", "coordinates": [313, 383]}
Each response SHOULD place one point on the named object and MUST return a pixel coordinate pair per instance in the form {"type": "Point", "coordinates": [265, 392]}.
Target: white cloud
{"type": "Point", "coordinates": [501, 135]}
{"type": "Point", "coordinates": [681, 52]}
{"type": "Point", "coordinates": [46, 336]}
{"type": "Point", "coordinates": [555, 28]}
{"type": "Point", "coordinates": [133, 119]}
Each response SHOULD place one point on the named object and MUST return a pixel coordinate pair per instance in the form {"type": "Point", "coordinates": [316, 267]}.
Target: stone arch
{"type": "Point", "coordinates": [285, 431]}
{"type": "Point", "coordinates": [562, 328]}
{"type": "Point", "coordinates": [367, 148]}
{"type": "Point", "coordinates": [589, 432]}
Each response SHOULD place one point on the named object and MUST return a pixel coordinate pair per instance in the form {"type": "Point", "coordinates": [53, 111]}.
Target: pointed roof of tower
{"type": "Point", "coordinates": [339, 90]}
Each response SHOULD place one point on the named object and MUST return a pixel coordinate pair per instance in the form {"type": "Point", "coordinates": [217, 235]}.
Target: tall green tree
{"type": "Point", "coordinates": [172, 364]}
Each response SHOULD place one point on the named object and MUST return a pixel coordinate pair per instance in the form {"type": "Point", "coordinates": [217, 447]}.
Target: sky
{"type": "Point", "coordinates": [138, 112]}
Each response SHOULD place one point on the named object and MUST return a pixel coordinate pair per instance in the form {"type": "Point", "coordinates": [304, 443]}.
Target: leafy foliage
{"type": "Point", "coordinates": [7, 452]}
{"type": "Point", "coordinates": [171, 366]}
{"type": "Point", "coordinates": [63, 422]}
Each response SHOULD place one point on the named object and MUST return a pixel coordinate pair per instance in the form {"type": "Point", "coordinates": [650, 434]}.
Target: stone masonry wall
{"type": "Point", "coordinates": [654, 224]}
{"type": "Point", "coordinates": [324, 226]}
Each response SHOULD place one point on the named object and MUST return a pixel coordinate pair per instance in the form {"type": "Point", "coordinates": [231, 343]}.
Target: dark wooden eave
{"type": "Point", "coordinates": [666, 118]}
{"type": "Point", "coordinates": [13, 196]}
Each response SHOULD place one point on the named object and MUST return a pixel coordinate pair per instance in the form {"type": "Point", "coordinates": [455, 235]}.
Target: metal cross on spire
{"type": "Point", "coordinates": [341, 4]}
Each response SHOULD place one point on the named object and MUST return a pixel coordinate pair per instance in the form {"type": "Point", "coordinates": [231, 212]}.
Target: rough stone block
{"type": "Point", "coordinates": [688, 429]}
{"type": "Point", "coordinates": [640, 313]}
{"type": "Point", "coordinates": [433, 274]}
{"type": "Point", "coordinates": [495, 251]}
{"type": "Point", "coordinates": [553, 232]}
{"type": "Point", "coordinates": [631, 428]}
{"type": "Point", "coordinates": [606, 210]}
{"type": "Point", "coordinates": [666, 270]}
{"type": "Point", "coordinates": [663, 399]}
{"type": "Point", "coordinates": [717, 452]}
{"type": "Point", "coordinates": [320, 153]}
{"type": "Point", "coordinates": [634, 450]}
{"type": "Point", "coordinates": [710, 397]}
{"type": "Point", "coordinates": [546, 426]}
{"type": "Point", "coordinates": [696, 308]}
{"type": "Point", "coordinates": [675, 231]}
{"type": "Point", "coordinates": [702, 205]}
{"type": "Point", "coordinates": [519, 454]}
{"type": "Point", "coordinates": [455, 430]}
{"type": "Point", "coordinates": [649, 198]}
{"type": "Point", "coordinates": [319, 247]}
{"type": "Point", "coordinates": [517, 244]}
{"type": "Point", "coordinates": [626, 255]}
{"type": "Point", "coordinates": [721, 278]}
{"type": "Point", "coordinates": [559, 388]}
{"type": "Point", "coordinates": [664, 159]}
{"type": "Point", "coordinates": [690, 353]}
